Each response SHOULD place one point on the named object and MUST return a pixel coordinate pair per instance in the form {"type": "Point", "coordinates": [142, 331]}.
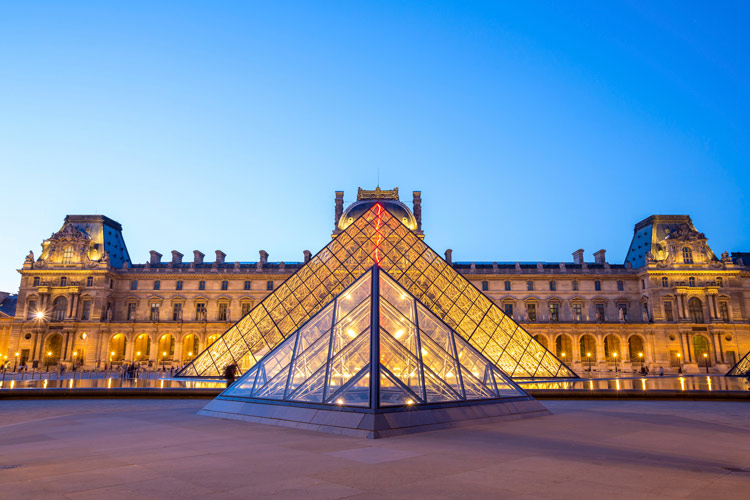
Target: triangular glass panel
{"type": "Point", "coordinates": [435, 328]}
{"type": "Point", "coordinates": [311, 391]}
{"type": "Point", "coordinates": [400, 362]}
{"type": "Point", "coordinates": [437, 390]}
{"type": "Point", "coordinates": [505, 388]}
{"type": "Point", "coordinates": [440, 362]}
{"type": "Point", "coordinates": [279, 359]}
{"type": "Point", "coordinates": [400, 328]}
{"type": "Point", "coordinates": [356, 393]}
{"type": "Point", "coordinates": [244, 387]}
{"type": "Point", "coordinates": [397, 297]}
{"type": "Point", "coordinates": [314, 329]}
{"type": "Point", "coordinates": [474, 388]}
{"type": "Point", "coordinates": [353, 296]}
{"type": "Point", "coordinates": [393, 393]}
{"type": "Point", "coordinates": [378, 236]}
{"type": "Point", "coordinates": [351, 326]}
{"type": "Point", "coordinates": [348, 363]}
{"type": "Point", "coordinates": [274, 388]}
{"type": "Point", "coordinates": [309, 362]}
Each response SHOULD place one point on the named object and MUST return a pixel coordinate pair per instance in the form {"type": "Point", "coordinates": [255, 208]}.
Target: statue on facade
{"type": "Point", "coordinates": [29, 258]}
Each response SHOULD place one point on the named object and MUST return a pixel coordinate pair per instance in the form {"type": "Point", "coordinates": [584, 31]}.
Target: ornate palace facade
{"type": "Point", "coordinates": [672, 304]}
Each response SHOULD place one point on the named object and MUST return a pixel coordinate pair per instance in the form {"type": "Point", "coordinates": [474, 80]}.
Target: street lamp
{"type": "Point", "coordinates": [49, 356]}
{"type": "Point", "coordinates": [588, 355]}
{"type": "Point", "coordinates": [16, 363]}
{"type": "Point", "coordinates": [163, 356]}
{"type": "Point", "coordinates": [614, 355]}
{"type": "Point", "coordinates": [679, 362]}
{"type": "Point", "coordinates": [640, 358]}
{"type": "Point", "coordinates": [39, 315]}
{"type": "Point", "coordinates": [705, 357]}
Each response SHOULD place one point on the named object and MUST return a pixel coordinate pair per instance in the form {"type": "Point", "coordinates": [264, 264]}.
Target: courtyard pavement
{"type": "Point", "coordinates": [144, 449]}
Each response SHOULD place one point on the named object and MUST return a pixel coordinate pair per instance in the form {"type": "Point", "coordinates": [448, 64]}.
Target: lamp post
{"type": "Point", "coordinates": [614, 355]}
{"type": "Point", "coordinates": [640, 358]}
{"type": "Point", "coordinates": [163, 356]}
{"type": "Point", "coordinates": [16, 363]}
{"type": "Point", "coordinates": [49, 356]}
{"type": "Point", "coordinates": [588, 355]}
{"type": "Point", "coordinates": [705, 358]}
{"type": "Point", "coordinates": [679, 362]}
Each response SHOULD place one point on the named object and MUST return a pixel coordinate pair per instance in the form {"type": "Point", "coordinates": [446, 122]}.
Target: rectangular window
{"type": "Point", "coordinates": [111, 283]}
{"type": "Point", "coordinates": [553, 286]}
{"type": "Point", "coordinates": [643, 284]}
{"type": "Point", "coordinates": [90, 281]}
{"type": "Point", "coordinates": [246, 307]}
{"type": "Point", "coordinates": [131, 311]}
{"type": "Point", "coordinates": [134, 285]}
{"type": "Point", "coordinates": [64, 281]}
{"type": "Point", "coordinates": [157, 285]}
{"type": "Point", "coordinates": [575, 286]}
{"type": "Point", "coordinates": [531, 309]}
{"type": "Point", "coordinates": [269, 285]}
{"type": "Point", "coordinates": [509, 310]}
{"type": "Point", "coordinates": [598, 286]}
{"type": "Point", "coordinates": [665, 282]}
{"type": "Point", "coordinates": [530, 286]}
{"type": "Point", "coordinates": [200, 311]}
{"type": "Point", "coordinates": [247, 284]}
{"type": "Point", "coordinates": [554, 312]}
{"type": "Point", "coordinates": [154, 316]}
{"type": "Point", "coordinates": [668, 314]}
{"type": "Point", "coordinates": [577, 312]}
{"type": "Point", "coordinates": [86, 310]}
{"type": "Point", "coordinates": [224, 285]}
{"type": "Point", "coordinates": [485, 286]}
{"type": "Point", "coordinates": [179, 285]}
{"type": "Point", "coordinates": [31, 310]}
{"type": "Point", "coordinates": [201, 285]}
{"type": "Point", "coordinates": [599, 312]}
{"type": "Point", "coordinates": [719, 281]}
{"type": "Point", "coordinates": [724, 311]}
{"type": "Point", "coordinates": [177, 311]}
{"type": "Point", "coordinates": [620, 286]}
{"type": "Point", "coordinates": [507, 286]}
{"type": "Point", "coordinates": [36, 281]}
{"type": "Point", "coordinates": [223, 309]}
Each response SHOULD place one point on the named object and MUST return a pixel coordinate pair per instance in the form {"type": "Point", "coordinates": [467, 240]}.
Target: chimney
{"type": "Point", "coordinates": [599, 256]}
{"type": "Point", "coordinates": [263, 259]}
{"type": "Point", "coordinates": [307, 255]}
{"type": "Point", "coordinates": [220, 256]}
{"type": "Point", "coordinates": [155, 257]}
{"type": "Point", "coordinates": [339, 209]}
{"type": "Point", "coordinates": [176, 257]}
{"type": "Point", "coordinates": [449, 257]}
{"type": "Point", "coordinates": [417, 208]}
{"type": "Point", "coordinates": [198, 257]}
{"type": "Point", "coordinates": [578, 256]}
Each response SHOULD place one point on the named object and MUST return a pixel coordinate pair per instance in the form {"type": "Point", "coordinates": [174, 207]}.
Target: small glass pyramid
{"type": "Point", "coordinates": [333, 358]}
{"type": "Point", "coordinates": [377, 237]}
{"type": "Point", "coordinates": [742, 368]}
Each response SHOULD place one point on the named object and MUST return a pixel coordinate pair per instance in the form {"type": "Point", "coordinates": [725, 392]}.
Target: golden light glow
{"type": "Point", "coordinates": [49, 353]}
{"type": "Point", "coordinates": [351, 333]}
{"type": "Point", "coordinates": [614, 354]}
{"type": "Point", "coordinates": [424, 352]}
{"type": "Point", "coordinates": [339, 401]}
{"type": "Point", "coordinates": [679, 355]}
{"type": "Point", "coordinates": [409, 402]}
{"type": "Point", "coordinates": [705, 355]}
{"type": "Point", "coordinates": [640, 354]}
{"type": "Point", "coordinates": [399, 334]}
{"type": "Point", "coordinates": [588, 354]}
{"type": "Point", "coordinates": [75, 353]}
{"type": "Point", "coordinates": [190, 354]}
{"type": "Point", "coordinates": [112, 353]}
{"type": "Point", "coordinates": [18, 354]}
{"type": "Point", "coordinates": [39, 315]}
{"type": "Point", "coordinates": [45, 383]}
{"type": "Point", "coordinates": [84, 335]}
{"type": "Point", "coordinates": [682, 384]}
{"type": "Point", "coordinates": [562, 354]}
{"type": "Point", "coordinates": [643, 383]}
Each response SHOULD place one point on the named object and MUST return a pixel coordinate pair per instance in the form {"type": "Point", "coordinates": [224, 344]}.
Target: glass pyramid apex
{"type": "Point", "coordinates": [374, 346]}
{"type": "Point", "coordinates": [377, 237]}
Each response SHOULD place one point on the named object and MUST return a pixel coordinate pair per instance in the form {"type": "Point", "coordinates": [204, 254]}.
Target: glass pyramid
{"type": "Point", "coordinates": [742, 368]}
{"type": "Point", "coordinates": [377, 237]}
{"type": "Point", "coordinates": [333, 358]}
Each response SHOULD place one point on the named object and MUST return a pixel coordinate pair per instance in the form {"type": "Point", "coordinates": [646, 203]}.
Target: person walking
{"type": "Point", "coordinates": [661, 371]}
{"type": "Point", "coordinates": [230, 373]}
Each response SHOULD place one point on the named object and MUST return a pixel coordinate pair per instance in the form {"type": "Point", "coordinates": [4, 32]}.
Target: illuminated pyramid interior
{"type": "Point", "coordinates": [742, 368]}
{"type": "Point", "coordinates": [373, 362]}
{"type": "Point", "coordinates": [377, 237]}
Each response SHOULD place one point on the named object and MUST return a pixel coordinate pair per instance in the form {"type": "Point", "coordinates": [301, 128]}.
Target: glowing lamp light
{"type": "Point", "coordinates": [190, 354]}
{"type": "Point", "coordinates": [409, 402]}
{"type": "Point", "coordinates": [138, 353]}
{"type": "Point", "coordinates": [84, 335]}
{"type": "Point", "coordinates": [49, 353]}
{"type": "Point", "coordinates": [424, 352]}
{"type": "Point", "coordinates": [339, 401]}
{"type": "Point", "coordinates": [18, 354]}
{"type": "Point", "coordinates": [112, 353]}
{"type": "Point", "coordinates": [614, 354]}
{"type": "Point", "coordinates": [399, 334]}
{"type": "Point", "coordinates": [75, 354]}
{"type": "Point", "coordinates": [351, 333]}
{"type": "Point", "coordinates": [640, 354]}
{"type": "Point", "coordinates": [588, 354]}
{"type": "Point", "coordinates": [679, 355]}
{"type": "Point", "coordinates": [705, 355]}
{"type": "Point", "coordinates": [562, 354]}
{"type": "Point", "coordinates": [164, 353]}
{"type": "Point", "coordinates": [40, 315]}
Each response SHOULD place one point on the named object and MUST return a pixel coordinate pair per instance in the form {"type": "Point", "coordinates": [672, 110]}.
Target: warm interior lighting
{"type": "Point", "coordinates": [614, 354]}
{"type": "Point", "coordinates": [112, 353]}
{"type": "Point", "coordinates": [164, 353]}
{"type": "Point", "coordinates": [705, 355]}
{"type": "Point", "coordinates": [84, 335]}
{"type": "Point", "coordinates": [679, 355]}
{"type": "Point", "coordinates": [17, 354]}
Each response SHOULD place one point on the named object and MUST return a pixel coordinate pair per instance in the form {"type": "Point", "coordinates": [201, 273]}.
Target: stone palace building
{"type": "Point", "coordinates": [673, 303]}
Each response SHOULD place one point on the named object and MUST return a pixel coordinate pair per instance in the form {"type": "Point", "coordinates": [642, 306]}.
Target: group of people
{"type": "Point", "coordinates": [645, 370]}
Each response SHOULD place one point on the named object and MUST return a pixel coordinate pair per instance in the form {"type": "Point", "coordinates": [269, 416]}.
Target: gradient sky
{"type": "Point", "coordinates": [532, 128]}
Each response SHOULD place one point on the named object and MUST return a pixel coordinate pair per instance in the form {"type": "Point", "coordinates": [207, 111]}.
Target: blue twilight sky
{"type": "Point", "coordinates": [532, 128]}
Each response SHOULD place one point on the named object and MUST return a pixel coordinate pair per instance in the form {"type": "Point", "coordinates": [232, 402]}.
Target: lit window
{"type": "Point", "coordinates": [665, 282]}
{"type": "Point", "coordinates": [157, 285]}
{"type": "Point", "coordinates": [599, 312]}
{"type": "Point", "coordinates": [507, 286]}
{"type": "Point", "coordinates": [59, 308]}
{"type": "Point", "coordinates": [200, 311]}
{"type": "Point", "coordinates": [90, 281]}
{"type": "Point", "coordinates": [201, 285]}
{"type": "Point", "coordinates": [247, 285]}
{"type": "Point", "coordinates": [577, 313]}
{"type": "Point", "coordinates": [620, 286]}
{"type": "Point", "coordinates": [246, 307]}
{"type": "Point", "coordinates": [131, 311]}
{"type": "Point", "coordinates": [224, 285]}
{"type": "Point", "coordinates": [554, 312]}
{"type": "Point", "coordinates": [154, 316]}
{"type": "Point", "coordinates": [269, 285]}
{"type": "Point", "coordinates": [223, 311]}
{"type": "Point", "coordinates": [598, 286]}
{"type": "Point", "coordinates": [509, 310]}
{"type": "Point", "coordinates": [134, 285]}
{"type": "Point", "coordinates": [179, 285]}
{"type": "Point", "coordinates": [530, 286]}
{"type": "Point", "coordinates": [67, 255]}
{"type": "Point", "coordinates": [687, 255]}
{"type": "Point", "coordinates": [531, 309]}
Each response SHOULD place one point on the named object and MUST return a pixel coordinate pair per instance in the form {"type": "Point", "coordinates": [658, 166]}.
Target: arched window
{"type": "Point", "coordinates": [116, 348]}
{"type": "Point", "coordinates": [59, 307]}
{"type": "Point", "coordinates": [612, 348]}
{"type": "Point", "coordinates": [588, 348]}
{"type": "Point", "coordinates": [166, 347]}
{"type": "Point", "coordinates": [635, 348]}
{"type": "Point", "coordinates": [695, 308]}
{"type": "Point", "coordinates": [687, 255]}
{"type": "Point", "coordinates": [563, 347]}
{"type": "Point", "coordinates": [67, 255]}
{"type": "Point", "coordinates": [52, 349]}
{"type": "Point", "coordinates": [190, 347]}
{"type": "Point", "coordinates": [542, 340]}
{"type": "Point", "coordinates": [142, 347]}
{"type": "Point", "coordinates": [700, 347]}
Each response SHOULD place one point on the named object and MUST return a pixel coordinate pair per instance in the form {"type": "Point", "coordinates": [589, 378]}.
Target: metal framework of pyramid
{"type": "Point", "coordinates": [378, 238]}
{"type": "Point", "coordinates": [742, 368]}
{"type": "Point", "coordinates": [373, 362]}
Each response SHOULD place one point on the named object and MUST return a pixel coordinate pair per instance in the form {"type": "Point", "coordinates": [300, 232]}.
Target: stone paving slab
{"type": "Point", "coordinates": [156, 449]}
